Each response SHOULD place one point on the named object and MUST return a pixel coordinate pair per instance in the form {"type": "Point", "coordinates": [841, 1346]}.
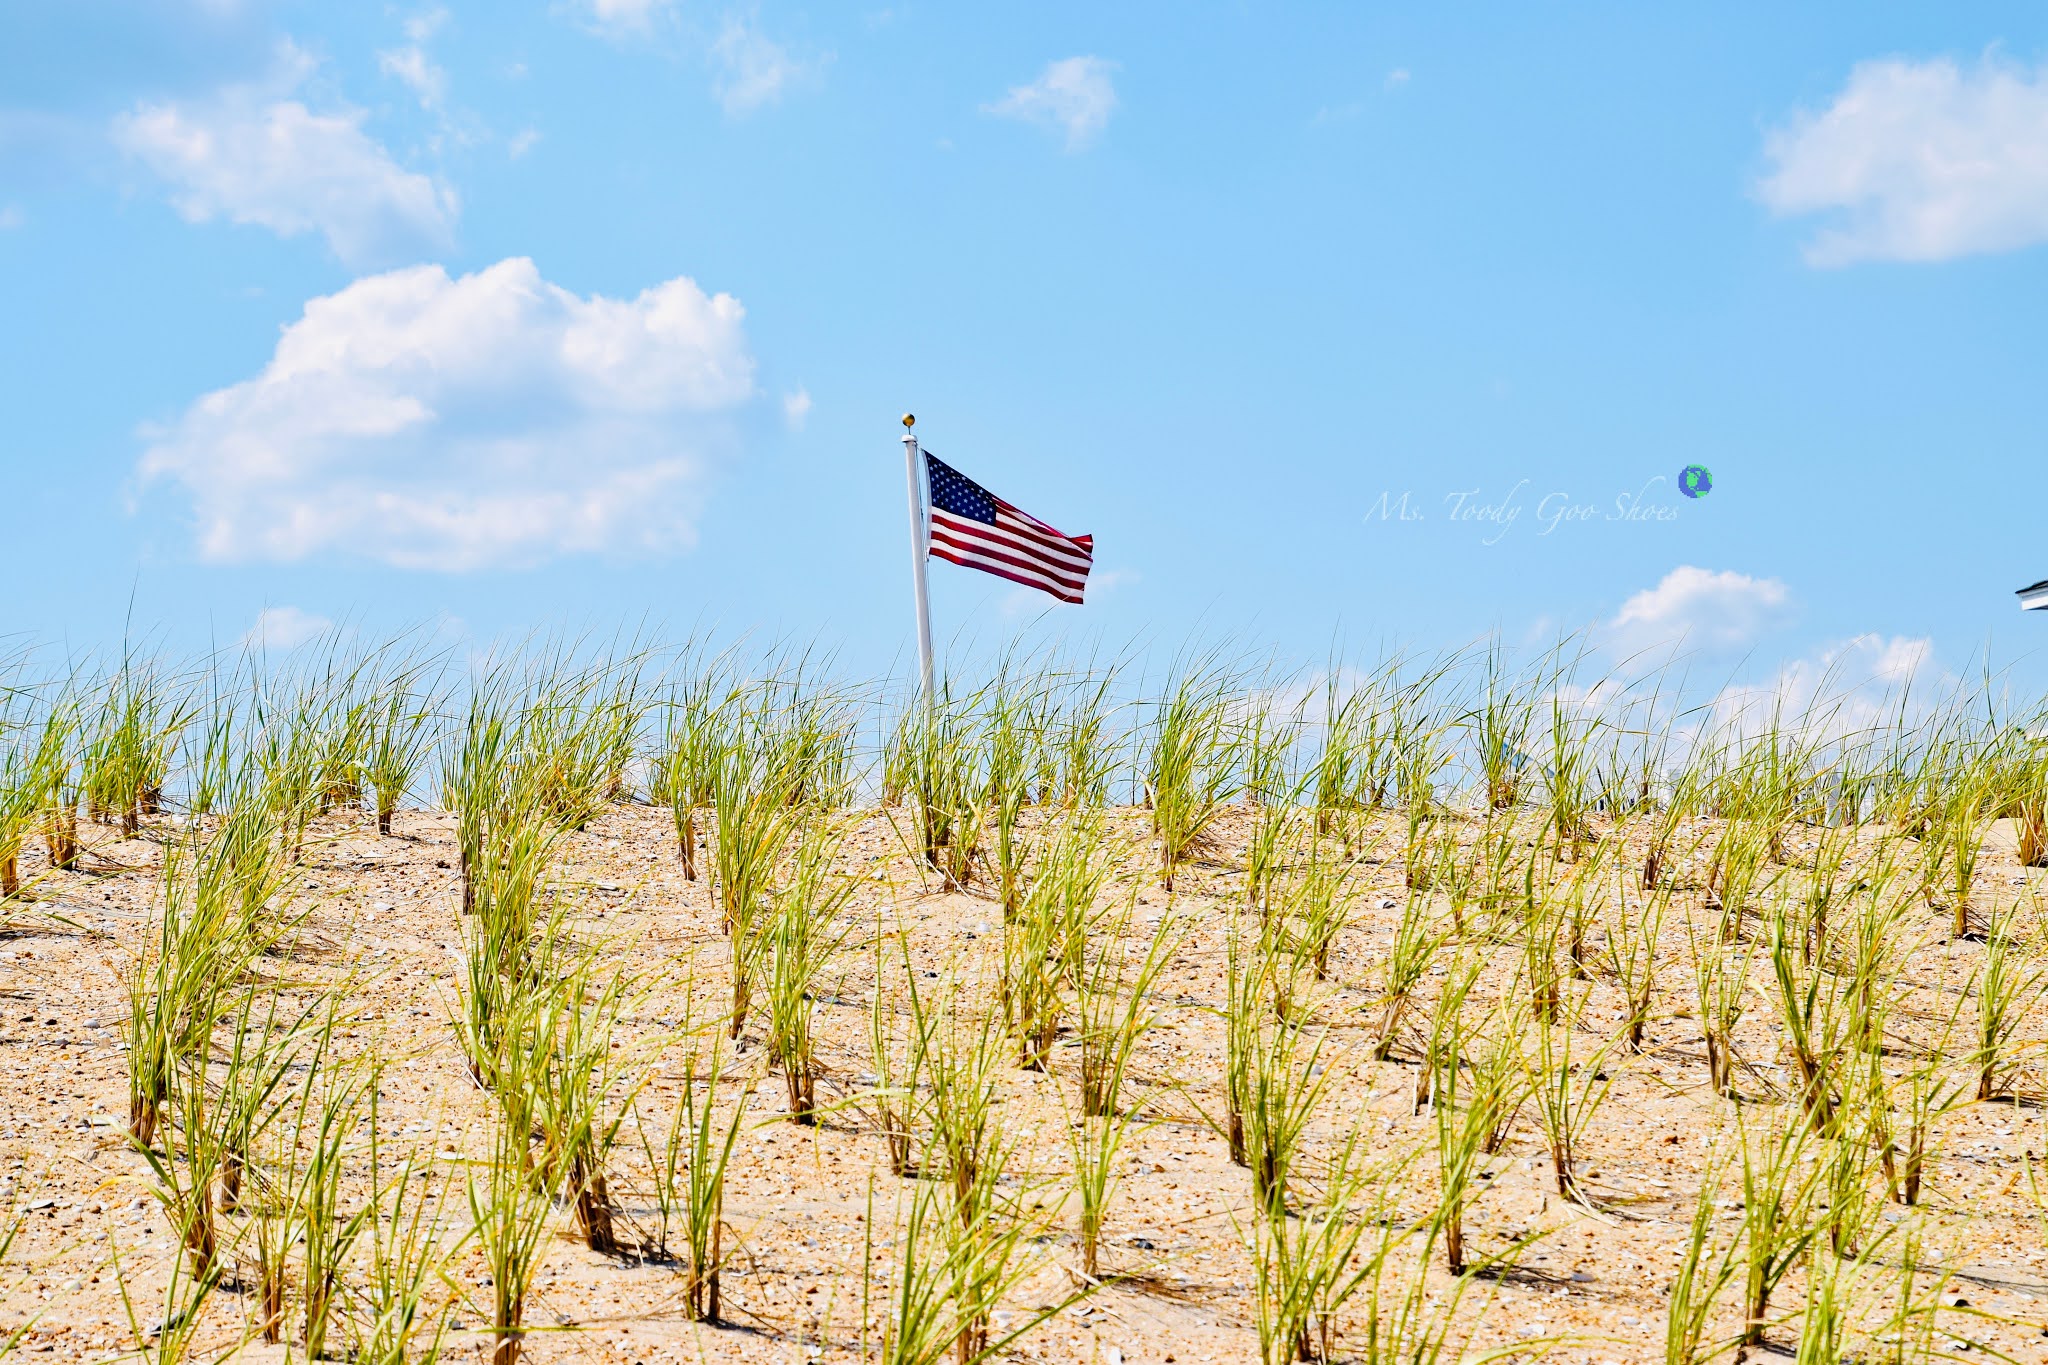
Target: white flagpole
{"type": "Point", "coordinates": [920, 531]}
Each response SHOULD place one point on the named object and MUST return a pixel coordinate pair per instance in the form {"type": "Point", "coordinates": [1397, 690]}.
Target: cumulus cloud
{"type": "Point", "coordinates": [250, 156]}
{"type": "Point", "coordinates": [285, 628]}
{"type": "Point", "coordinates": [1919, 161]}
{"type": "Point", "coordinates": [1699, 608]}
{"type": "Point", "coordinates": [489, 420]}
{"type": "Point", "coordinates": [1074, 96]}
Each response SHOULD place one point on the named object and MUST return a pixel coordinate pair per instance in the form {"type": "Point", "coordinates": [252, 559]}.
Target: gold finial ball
{"type": "Point", "coordinates": [909, 420]}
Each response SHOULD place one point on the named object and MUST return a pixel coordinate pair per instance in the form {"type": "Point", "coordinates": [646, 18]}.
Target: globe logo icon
{"type": "Point", "coordinates": [1694, 481]}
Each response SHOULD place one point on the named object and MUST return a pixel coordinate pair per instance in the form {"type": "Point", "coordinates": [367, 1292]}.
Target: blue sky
{"type": "Point", "coordinates": [602, 311]}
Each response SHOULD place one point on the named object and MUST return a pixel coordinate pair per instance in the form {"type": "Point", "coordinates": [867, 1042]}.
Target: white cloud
{"type": "Point", "coordinates": [750, 70]}
{"type": "Point", "coordinates": [522, 142]}
{"type": "Point", "coordinates": [11, 216]}
{"type": "Point", "coordinates": [624, 18]}
{"type": "Point", "coordinates": [1073, 95]}
{"type": "Point", "coordinates": [493, 419]}
{"type": "Point", "coordinates": [1921, 161]}
{"type": "Point", "coordinates": [412, 65]}
{"type": "Point", "coordinates": [285, 628]}
{"type": "Point", "coordinates": [796, 408]}
{"type": "Point", "coordinates": [422, 27]}
{"type": "Point", "coordinates": [1841, 690]}
{"type": "Point", "coordinates": [1699, 608]}
{"type": "Point", "coordinates": [1899, 658]}
{"type": "Point", "coordinates": [1396, 78]}
{"type": "Point", "coordinates": [753, 69]}
{"type": "Point", "coordinates": [252, 157]}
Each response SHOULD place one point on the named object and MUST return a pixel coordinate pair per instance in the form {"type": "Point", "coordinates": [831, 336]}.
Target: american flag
{"type": "Point", "coordinates": [974, 527]}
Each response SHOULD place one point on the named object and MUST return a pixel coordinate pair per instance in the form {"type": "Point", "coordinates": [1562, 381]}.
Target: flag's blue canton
{"type": "Point", "coordinates": [954, 492]}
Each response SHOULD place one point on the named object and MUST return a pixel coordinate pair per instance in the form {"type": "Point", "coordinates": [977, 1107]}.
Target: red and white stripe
{"type": "Point", "coordinates": [1018, 547]}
